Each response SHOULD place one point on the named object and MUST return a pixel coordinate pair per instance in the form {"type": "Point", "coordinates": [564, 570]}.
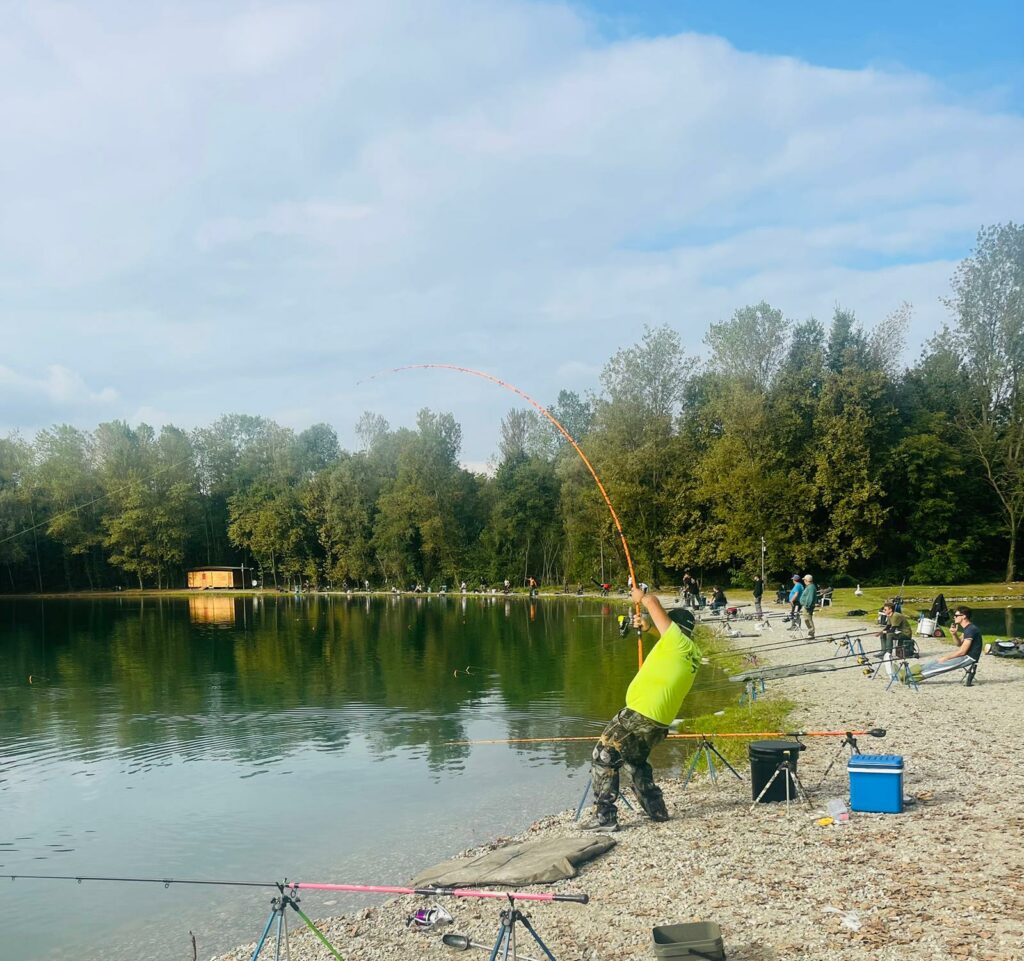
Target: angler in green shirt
{"type": "Point", "coordinates": [652, 701]}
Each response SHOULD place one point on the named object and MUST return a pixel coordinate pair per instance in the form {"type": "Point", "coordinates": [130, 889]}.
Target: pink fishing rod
{"type": "Point", "coordinates": [437, 892]}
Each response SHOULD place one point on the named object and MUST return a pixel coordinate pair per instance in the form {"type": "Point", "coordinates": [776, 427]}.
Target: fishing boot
{"type": "Point", "coordinates": [604, 819]}
{"type": "Point", "coordinates": [653, 803]}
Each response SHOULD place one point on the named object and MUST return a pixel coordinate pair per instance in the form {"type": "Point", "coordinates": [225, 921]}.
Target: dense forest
{"type": "Point", "coordinates": [812, 436]}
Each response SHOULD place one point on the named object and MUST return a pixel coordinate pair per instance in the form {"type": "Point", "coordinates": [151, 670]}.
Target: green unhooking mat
{"type": "Point", "coordinates": [534, 862]}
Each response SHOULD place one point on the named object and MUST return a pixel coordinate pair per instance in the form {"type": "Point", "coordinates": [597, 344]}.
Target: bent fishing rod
{"type": "Point", "coordinates": [870, 732]}
{"type": "Point", "coordinates": [575, 446]}
{"type": "Point", "coordinates": [314, 886]}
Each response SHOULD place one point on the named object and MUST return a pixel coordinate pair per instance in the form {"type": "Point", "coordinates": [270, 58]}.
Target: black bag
{"type": "Point", "coordinates": [905, 647]}
{"type": "Point", "coordinates": [856, 613]}
{"type": "Point", "coordinates": [1010, 648]}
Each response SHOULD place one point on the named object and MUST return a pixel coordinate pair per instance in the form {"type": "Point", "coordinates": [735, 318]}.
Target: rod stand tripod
{"type": "Point", "coordinates": [850, 741]}
{"type": "Point", "coordinates": [904, 675]}
{"type": "Point", "coordinates": [506, 939]}
{"type": "Point", "coordinates": [752, 686]}
{"type": "Point", "coordinates": [708, 751]}
{"type": "Point", "coordinates": [788, 770]}
{"type": "Point", "coordinates": [586, 791]}
{"type": "Point", "coordinates": [278, 909]}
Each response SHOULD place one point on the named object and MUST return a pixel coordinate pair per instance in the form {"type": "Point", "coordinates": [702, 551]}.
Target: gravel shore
{"type": "Point", "coordinates": [944, 880]}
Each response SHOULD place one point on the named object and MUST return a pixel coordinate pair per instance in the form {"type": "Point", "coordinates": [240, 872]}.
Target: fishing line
{"type": "Point", "coordinates": [95, 500]}
{"type": "Point", "coordinates": [576, 447]}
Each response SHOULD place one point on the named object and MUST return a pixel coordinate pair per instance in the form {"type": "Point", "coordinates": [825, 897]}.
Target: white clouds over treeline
{"type": "Point", "coordinates": [215, 207]}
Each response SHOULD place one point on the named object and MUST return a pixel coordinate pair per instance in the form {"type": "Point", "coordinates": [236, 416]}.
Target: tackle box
{"type": "Point", "coordinates": [696, 940]}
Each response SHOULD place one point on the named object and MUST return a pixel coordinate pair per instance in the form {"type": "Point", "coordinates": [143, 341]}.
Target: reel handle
{"type": "Point", "coordinates": [577, 898]}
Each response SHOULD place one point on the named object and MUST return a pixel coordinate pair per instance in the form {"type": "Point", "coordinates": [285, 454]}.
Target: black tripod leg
{"type": "Point", "coordinates": [536, 937]}
{"type": "Point", "coordinates": [721, 757]}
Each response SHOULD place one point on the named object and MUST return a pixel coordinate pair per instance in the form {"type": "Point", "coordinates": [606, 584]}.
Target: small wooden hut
{"type": "Point", "coordinates": [205, 578]}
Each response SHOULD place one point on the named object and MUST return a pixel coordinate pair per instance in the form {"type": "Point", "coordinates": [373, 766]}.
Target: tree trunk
{"type": "Point", "coordinates": [1011, 559]}
{"type": "Point", "coordinates": [35, 545]}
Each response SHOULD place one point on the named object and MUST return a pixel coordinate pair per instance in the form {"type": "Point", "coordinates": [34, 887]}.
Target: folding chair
{"type": "Point", "coordinates": [967, 666]}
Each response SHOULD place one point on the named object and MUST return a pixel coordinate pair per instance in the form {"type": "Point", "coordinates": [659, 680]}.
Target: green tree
{"type": "Point", "coordinates": [631, 444]}
{"type": "Point", "coordinates": [339, 502]}
{"type": "Point", "coordinates": [17, 534]}
{"type": "Point", "coordinates": [417, 530]}
{"type": "Point", "coordinates": [988, 306]}
{"type": "Point", "coordinates": [71, 494]}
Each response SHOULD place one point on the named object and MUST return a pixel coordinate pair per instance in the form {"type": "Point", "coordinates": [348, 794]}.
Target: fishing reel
{"type": "Point", "coordinates": [626, 623]}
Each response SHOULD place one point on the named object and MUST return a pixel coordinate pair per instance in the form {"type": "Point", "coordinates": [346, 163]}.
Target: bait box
{"type": "Point", "coordinates": [876, 783]}
{"type": "Point", "coordinates": [696, 939]}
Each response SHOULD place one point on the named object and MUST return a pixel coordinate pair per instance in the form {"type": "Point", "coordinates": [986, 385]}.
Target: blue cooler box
{"type": "Point", "coordinates": [876, 783]}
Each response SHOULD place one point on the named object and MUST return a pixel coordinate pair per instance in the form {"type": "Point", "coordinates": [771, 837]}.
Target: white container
{"type": "Point", "coordinates": [926, 626]}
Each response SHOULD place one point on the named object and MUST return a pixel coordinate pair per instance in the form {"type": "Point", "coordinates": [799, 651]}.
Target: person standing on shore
{"type": "Point", "coordinates": [653, 699]}
{"type": "Point", "coordinates": [807, 598]}
{"type": "Point", "coordinates": [794, 602]}
{"type": "Point", "coordinates": [758, 594]}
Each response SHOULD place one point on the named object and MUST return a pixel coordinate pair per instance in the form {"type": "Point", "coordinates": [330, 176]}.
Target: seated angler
{"type": "Point", "coordinates": [896, 632]}
{"type": "Point", "coordinates": [653, 699]}
{"type": "Point", "coordinates": [718, 600]}
{"type": "Point", "coordinates": [966, 655]}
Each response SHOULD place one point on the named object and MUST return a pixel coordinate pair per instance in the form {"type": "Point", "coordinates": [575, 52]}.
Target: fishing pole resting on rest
{"type": "Point", "coordinates": [789, 642]}
{"type": "Point", "coordinates": [870, 732]}
{"type": "Point", "coordinates": [430, 892]}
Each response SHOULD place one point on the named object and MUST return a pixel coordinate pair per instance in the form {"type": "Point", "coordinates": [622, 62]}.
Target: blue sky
{"type": "Point", "coordinates": [255, 206]}
{"type": "Point", "coordinates": [975, 48]}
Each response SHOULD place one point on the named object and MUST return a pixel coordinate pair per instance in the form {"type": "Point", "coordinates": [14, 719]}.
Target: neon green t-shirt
{"type": "Point", "coordinates": [660, 685]}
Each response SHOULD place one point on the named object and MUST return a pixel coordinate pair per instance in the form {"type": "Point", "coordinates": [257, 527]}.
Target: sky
{"type": "Point", "coordinates": [254, 207]}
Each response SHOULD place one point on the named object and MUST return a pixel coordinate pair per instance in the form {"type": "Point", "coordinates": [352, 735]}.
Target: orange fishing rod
{"type": "Point", "coordinates": [576, 447]}
{"type": "Point", "coordinates": [871, 732]}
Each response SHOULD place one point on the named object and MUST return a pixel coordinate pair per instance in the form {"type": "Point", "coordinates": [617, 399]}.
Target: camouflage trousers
{"type": "Point", "coordinates": [626, 743]}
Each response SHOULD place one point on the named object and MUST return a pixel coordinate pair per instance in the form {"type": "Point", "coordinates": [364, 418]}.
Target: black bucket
{"type": "Point", "coordinates": [765, 758]}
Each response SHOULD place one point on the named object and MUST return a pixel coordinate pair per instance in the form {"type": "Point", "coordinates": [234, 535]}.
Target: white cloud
{"type": "Point", "coordinates": [233, 207]}
{"type": "Point", "coordinates": [55, 394]}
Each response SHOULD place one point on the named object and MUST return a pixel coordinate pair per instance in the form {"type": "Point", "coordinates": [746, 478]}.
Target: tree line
{"type": "Point", "coordinates": [812, 436]}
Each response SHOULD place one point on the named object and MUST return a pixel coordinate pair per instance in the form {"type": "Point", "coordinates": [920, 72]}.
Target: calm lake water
{"type": "Point", "coordinates": [258, 739]}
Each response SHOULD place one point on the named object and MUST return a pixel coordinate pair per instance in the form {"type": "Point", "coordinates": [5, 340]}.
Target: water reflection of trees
{"type": "Point", "coordinates": [138, 678]}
